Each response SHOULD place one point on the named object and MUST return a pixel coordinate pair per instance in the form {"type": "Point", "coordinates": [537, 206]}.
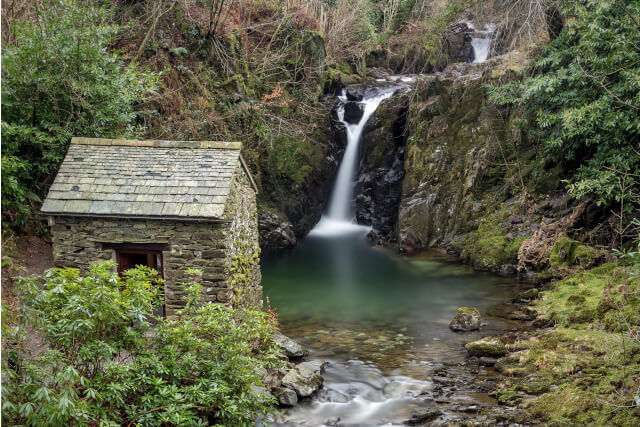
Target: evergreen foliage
{"type": "Point", "coordinates": [60, 79]}
{"type": "Point", "coordinates": [107, 361]}
{"type": "Point", "coordinates": [583, 98]}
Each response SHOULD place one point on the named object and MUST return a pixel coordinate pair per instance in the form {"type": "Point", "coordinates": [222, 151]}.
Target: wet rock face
{"type": "Point", "coordinates": [353, 112]}
{"type": "Point", "coordinates": [378, 189]}
{"type": "Point", "coordinates": [300, 202]}
{"type": "Point", "coordinates": [458, 44]}
{"type": "Point", "coordinates": [454, 134]}
{"type": "Point", "coordinates": [275, 231]}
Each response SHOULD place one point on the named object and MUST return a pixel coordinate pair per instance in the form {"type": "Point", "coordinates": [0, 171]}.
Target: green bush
{"type": "Point", "coordinates": [581, 99]}
{"type": "Point", "coordinates": [107, 361]}
{"type": "Point", "coordinates": [59, 79]}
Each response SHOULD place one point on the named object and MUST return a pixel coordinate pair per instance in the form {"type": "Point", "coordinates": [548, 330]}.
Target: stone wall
{"type": "Point", "coordinates": [242, 246]}
{"type": "Point", "coordinates": [208, 246]}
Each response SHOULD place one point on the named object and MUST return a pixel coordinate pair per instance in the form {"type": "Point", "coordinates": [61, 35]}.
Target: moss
{"type": "Point", "coordinates": [509, 397]}
{"type": "Point", "coordinates": [583, 370]}
{"type": "Point", "coordinates": [567, 252]}
{"type": "Point", "coordinates": [469, 310]}
{"type": "Point", "coordinates": [489, 248]}
{"type": "Point", "coordinates": [489, 347]}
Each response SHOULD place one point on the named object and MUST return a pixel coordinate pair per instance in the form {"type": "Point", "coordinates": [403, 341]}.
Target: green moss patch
{"type": "Point", "coordinates": [567, 253]}
{"type": "Point", "coordinates": [489, 247]}
{"type": "Point", "coordinates": [585, 370]}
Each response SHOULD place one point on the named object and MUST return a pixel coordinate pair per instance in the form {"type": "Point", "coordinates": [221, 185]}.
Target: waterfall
{"type": "Point", "coordinates": [481, 48]}
{"type": "Point", "coordinates": [339, 217]}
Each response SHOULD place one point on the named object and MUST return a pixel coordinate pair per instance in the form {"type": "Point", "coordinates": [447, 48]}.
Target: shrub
{"type": "Point", "coordinates": [107, 361]}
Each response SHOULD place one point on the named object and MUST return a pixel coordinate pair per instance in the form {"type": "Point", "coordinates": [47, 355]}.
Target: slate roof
{"type": "Point", "coordinates": [122, 178]}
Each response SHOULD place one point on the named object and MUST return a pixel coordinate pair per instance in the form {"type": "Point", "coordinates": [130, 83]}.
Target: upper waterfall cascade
{"type": "Point", "coordinates": [481, 48]}
{"type": "Point", "coordinates": [481, 41]}
{"type": "Point", "coordinates": [339, 217]}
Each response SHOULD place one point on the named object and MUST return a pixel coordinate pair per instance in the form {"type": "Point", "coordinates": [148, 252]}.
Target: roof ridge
{"type": "Point", "coordinates": [154, 143]}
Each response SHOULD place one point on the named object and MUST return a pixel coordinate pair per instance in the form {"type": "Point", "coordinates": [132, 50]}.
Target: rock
{"type": "Point", "coordinates": [353, 112]}
{"type": "Point", "coordinates": [289, 347]}
{"type": "Point", "coordinates": [302, 380]}
{"type": "Point", "coordinates": [487, 361]}
{"type": "Point", "coordinates": [514, 219]}
{"type": "Point", "coordinates": [424, 415]}
{"type": "Point", "coordinates": [355, 93]}
{"type": "Point", "coordinates": [520, 315]}
{"type": "Point", "coordinates": [527, 295]}
{"type": "Point", "coordinates": [316, 366]}
{"type": "Point", "coordinates": [486, 347]}
{"type": "Point", "coordinates": [275, 232]}
{"type": "Point", "coordinates": [508, 269]}
{"type": "Point", "coordinates": [467, 319]}
{"type": "Point", "coordinates": [286, 396]}
{"type": "Point", "coordinates": [378, 187]}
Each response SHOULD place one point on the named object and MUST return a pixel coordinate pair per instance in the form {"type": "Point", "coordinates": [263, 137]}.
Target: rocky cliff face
{"type": "Point", "coordinates": [378, 188]}
{"type": "Point", "coordinates": [473, 185]}
{"type": "Point", "coordinates": [289, 208]}
{"type": "Point", "coordinates": [453, 135]}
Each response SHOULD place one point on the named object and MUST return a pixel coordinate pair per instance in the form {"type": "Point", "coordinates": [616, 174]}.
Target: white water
{"type": "Point", "coordinates": [339, 217]}
{"type": "Point", "coordinates": [481, 48]}
{"type": "Point", "coordinates": [357, 393]}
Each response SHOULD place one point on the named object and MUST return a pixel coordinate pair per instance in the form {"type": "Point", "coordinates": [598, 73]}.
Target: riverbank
{"type": "Point", "coordinates": [582, 365]}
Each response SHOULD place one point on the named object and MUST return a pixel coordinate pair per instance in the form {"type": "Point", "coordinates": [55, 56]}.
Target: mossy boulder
{"type": "Point", "coordinates": [467, 319]}
{"type": "Point", "coordinates": [568, 253]}
{"type": "Point", "coordinates": [489, 247]}
{"type": "Point", "coordinates": [527, 296]}
{"type": "Point", "coordinates": [486, 347]}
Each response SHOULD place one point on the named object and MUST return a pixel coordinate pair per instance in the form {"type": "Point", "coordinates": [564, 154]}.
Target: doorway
{"type": "Point", "coordinates": [129, 256]}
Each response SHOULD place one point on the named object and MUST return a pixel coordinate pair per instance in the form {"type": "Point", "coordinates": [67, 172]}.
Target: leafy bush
{"type": "Point", "coordinates": [106, 361]}
{"type": "Point", "coordinates": [582, 98]}
{"type": "Point", "coordinates": [58, 80]}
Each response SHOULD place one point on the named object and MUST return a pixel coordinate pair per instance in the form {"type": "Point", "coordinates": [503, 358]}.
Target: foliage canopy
{"type": "Point", "coordinates": [583, 98]}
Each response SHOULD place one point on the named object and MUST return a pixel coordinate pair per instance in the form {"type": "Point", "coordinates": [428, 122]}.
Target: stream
{"type": "Point", "coordinates": [380, 319]}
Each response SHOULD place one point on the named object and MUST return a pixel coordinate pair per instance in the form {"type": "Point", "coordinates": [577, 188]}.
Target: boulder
{"type": "Point", "coordinates": [486, 347]}
{"type": "Point", "coordinates": [355, 93]}
{"type": "Point", "coordinates": [424, 415]}
{"type": "Point", "coordinates": [302, 380]}
{"type": "Point", "coordinates": [275, 232]}
{"type": "Point", "coordinates": [285, 396]}
{"type": "Point", "coordinates": [467, 319]}
{"type": "Point", "coordinates": [316, 366]}
{"type": "Point", "coordinates": [353, 112]}
{"type": "Point", "coordinates": [289, 347]}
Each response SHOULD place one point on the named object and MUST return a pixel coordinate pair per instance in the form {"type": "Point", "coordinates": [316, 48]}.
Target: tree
{"type": "Point", "coordinates": [582, 99]}
{"type": "Point", "coordinates": [59, 80]}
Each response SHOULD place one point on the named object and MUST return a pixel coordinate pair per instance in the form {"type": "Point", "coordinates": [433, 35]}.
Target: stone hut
{"type": "Point", "coordinates": [170, 205]}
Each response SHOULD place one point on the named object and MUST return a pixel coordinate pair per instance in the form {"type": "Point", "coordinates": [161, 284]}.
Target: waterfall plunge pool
{"type": "Point", "coordinates": [381, 321]}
